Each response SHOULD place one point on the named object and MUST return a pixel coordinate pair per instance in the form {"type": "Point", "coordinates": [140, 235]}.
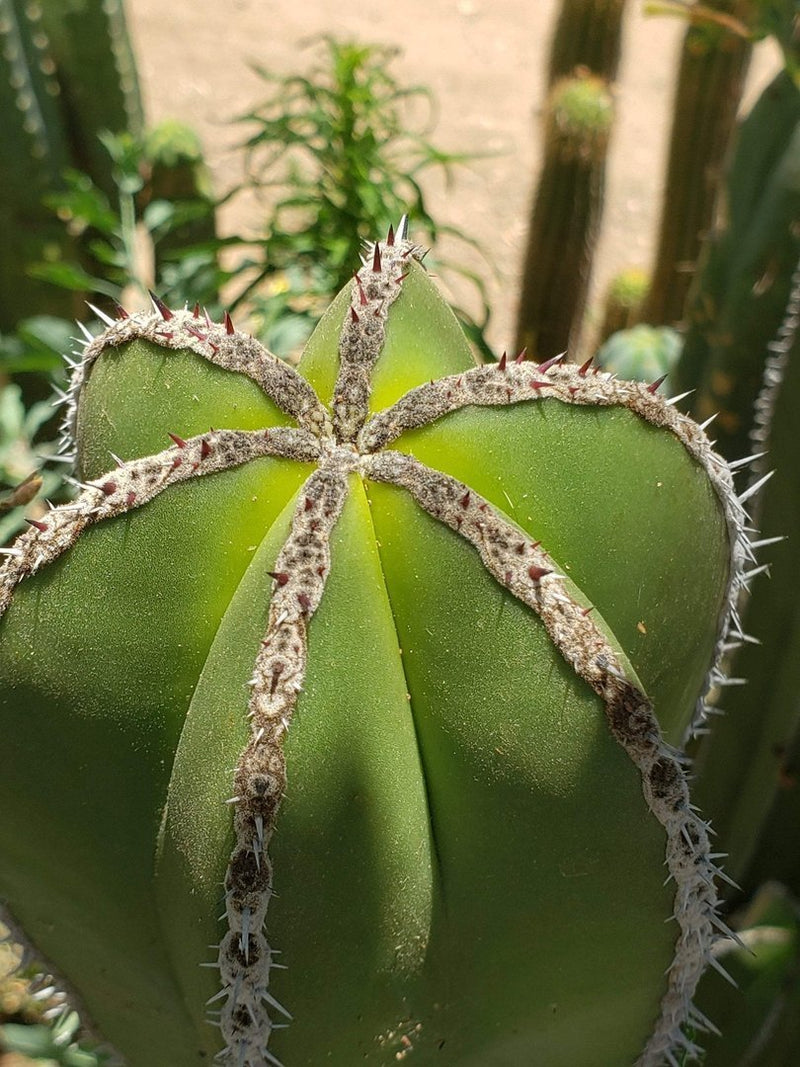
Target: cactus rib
{"type": "Point", "coordinates": [136, 483]}
{"type": "Point", "coordinates": [527, 571]}
{"type": "Point", "coordinates": [260, 778]}
{"type": "Point", "coordinates": [299, 581]}
{"type": "Point", "coordinates": [220, 345]}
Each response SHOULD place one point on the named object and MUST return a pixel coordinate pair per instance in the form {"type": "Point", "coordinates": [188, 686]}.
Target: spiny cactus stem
{"type": "Point", "coordinates": [301, 569]}
{"type": "Point", "coordinates": [136, 483]}
{"type": "Point", "coordinates": [526, 571]}
{"type": "Point", "coordinates": [299, 579]}
{"type": "Point", "coordinates": [375, 288]}
{"type": "Point", "coordinates": [235, 352]}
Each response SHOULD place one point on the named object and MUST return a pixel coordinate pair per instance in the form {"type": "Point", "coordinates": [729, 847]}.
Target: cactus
{"type": "Point", "coordinates": [34, 154]}
{"type": "Point", "coordinates": [623, 301]}
{"type": "Point", "coordinates": [741, 764]}
{"type": "Point", "coordinates": [441, 625]}
{"type": "Point", "coordinates": [737, 302]}
{"type": "Point", "coordinates": [588, 34]}
{"type": "Point", "coordinates": [568, 203]}
{"type": "Point", "coordinates": [642, 353]}
{"type": "Point", "coordinates": [96, 72]}
{"type": "Point", "coordinates": [566, 216]}
{"type": "Point", "coordinates": [66, 74]}
{"type": "Point", "coordinates": [713, 67]}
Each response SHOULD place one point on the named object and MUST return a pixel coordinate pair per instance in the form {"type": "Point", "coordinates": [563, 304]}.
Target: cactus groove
{"type": "Point", "coordinates": [367, 415]}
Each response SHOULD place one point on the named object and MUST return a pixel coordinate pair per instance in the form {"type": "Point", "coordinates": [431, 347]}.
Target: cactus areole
{"type": "Point", "coordinates": [351, 725]}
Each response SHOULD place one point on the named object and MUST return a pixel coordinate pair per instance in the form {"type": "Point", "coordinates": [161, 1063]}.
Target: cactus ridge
{"type": "Point", "coordinates": [774, 367]}
{"type": "Point", "coordinates": [354, 443]}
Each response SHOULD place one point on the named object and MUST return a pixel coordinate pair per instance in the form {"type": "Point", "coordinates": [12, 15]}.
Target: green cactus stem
{"type": "Point", "coordinates": [96, 71]}
{"type": "Point", "coordinates": [737, 302]}
{"type": "Point", "coordinates": [565, 216]}
{"type": "Point", "coordinates": [623, 302]}
{"type": "Point", "coordinates": [643, 353]}
{"type": "Point", "coordinates": [588, 34]}
{"type": "Point", "coordinates": [713, 67]}
{"type": "Point", "coordinates": [66, 74]}
{"type": "Point", "coordinates": [740, 764]}
{"type": "Point", "coordinates": [568, 202]}
{"type": "Point", "coordinates": [387, 668]}
{"type": "Point", "coordinates": [34, 154]}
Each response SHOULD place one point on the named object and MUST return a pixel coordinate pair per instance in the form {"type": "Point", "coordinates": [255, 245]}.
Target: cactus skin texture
{"type": "Point", "coordinates": [643, 353]}
{"type": "Point", "coordinates": [713, 68]}
{"type": "Point", "coordinates": [737, 302]}
{"type": "Point", "coordinates": [67, 73]}
{"type": "Point", "coordinates": [565, 218]}
{"type": "Point", "coordinates": [440, 625]}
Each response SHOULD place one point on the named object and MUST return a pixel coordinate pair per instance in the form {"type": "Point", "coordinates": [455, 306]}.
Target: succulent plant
{"type": "Point", "coordinates": [67, 71]}
{"type": "Point", "coordinates": [565, 215]}
{"type": "Point", "coordinates": [641, 352]}
{"type": "Point", "coordinates": [713, 67]}
{"type": "Point", "coordinates": [391, 670]}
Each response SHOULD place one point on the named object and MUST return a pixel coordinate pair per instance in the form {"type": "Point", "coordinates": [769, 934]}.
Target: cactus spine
{"type": "Point", "coordinates": [350, 824]}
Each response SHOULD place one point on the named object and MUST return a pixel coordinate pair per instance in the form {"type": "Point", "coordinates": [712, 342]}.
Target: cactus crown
{"type": "Point", "coordinates": [351, 438]}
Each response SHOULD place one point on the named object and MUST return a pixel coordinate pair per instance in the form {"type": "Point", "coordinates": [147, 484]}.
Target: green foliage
{"type": "Point", "coordinates": [51, 1045]}
{"type": "Point", "coordinates": [336, 152]}
{"type": "Point", "coordinates": [22, 456]}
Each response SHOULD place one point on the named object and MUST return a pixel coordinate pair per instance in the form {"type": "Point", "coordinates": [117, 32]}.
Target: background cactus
{"type": "Point", "coordinates": [623, 302]}
{"type": "Point", "coordinates": [477, 549]}
{"type": "Point", "coordinates": [739, 298]}
{"type": "Point", "coordinates": [713, 66]}
{"type": "Point", "coordinates": [67, 73]}
{"type": "Point", "coordinates": [566, 214]}
{"type": "Point", "coordinates": [568, 202]}
{"type": "Point", "coordinates": [645, 353]}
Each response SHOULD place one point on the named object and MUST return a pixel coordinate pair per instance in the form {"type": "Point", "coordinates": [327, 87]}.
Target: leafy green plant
{"type": "Point", "coordinates": [21, 460]}
{"type": "Point", "coordinates": [442, 626]}
{"type": "Point", "coordinates": [335, 152]}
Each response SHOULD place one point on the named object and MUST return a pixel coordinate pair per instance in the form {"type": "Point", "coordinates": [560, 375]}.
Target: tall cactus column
{"type": "Point", "coordinates": [713, 67]}
{"type": "Point", "coordinates": [568, 202]}
{"type": "Point", "coordinates": [387, 669]}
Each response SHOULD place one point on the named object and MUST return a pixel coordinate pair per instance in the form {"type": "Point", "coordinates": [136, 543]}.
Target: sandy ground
{"type": "Point", "coordinates": [484, 62]}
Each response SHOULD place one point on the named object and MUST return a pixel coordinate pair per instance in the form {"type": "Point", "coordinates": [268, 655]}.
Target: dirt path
{"type": "Point", "coordinates": [484, 61]}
